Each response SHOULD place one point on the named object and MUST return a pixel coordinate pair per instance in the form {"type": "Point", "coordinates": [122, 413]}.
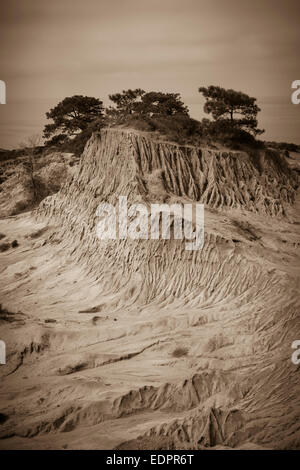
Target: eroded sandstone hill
{"type": "Point", "coordinates": [154, 346]}
{"type": "Point", "coordinates": [124, 163]}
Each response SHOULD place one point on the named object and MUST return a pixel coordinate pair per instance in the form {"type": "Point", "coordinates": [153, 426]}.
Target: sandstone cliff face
{"type": "Point", "coordinates": [232, 307]}
{"type": "Point", "coordinates": [123, 163]}
{"type": "Point", "coordinates": [120, 162]}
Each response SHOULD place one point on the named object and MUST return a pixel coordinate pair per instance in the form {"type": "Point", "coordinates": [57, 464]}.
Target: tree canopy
{"type": "Point", "coordinates": [156, 103]}
{"type": "Point", "coordinates": [125, 102]}
{"type": "Point", "coordinates": [233, 107]}
{"type": "Point", "coordinates": [141, 104]}
{"type": "Point", "coordinates": [234, 115]}
{"type": "Point", "coordinates": [73, 115]}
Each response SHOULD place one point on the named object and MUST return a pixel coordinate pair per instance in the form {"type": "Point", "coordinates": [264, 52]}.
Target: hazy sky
{"type": "Point", "coordinates": [57, 48]}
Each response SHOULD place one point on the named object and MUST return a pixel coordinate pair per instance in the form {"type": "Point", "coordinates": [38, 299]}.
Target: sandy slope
{"type": "Point", "coordinates": [94, 379]}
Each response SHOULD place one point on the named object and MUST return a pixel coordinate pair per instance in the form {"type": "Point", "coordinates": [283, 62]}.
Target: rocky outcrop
{"type": "Point", "coordinates": [119, 162]}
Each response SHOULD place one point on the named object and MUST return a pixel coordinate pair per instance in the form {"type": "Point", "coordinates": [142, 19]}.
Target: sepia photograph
{"type": "Point", "coordinates": [150, 228]}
